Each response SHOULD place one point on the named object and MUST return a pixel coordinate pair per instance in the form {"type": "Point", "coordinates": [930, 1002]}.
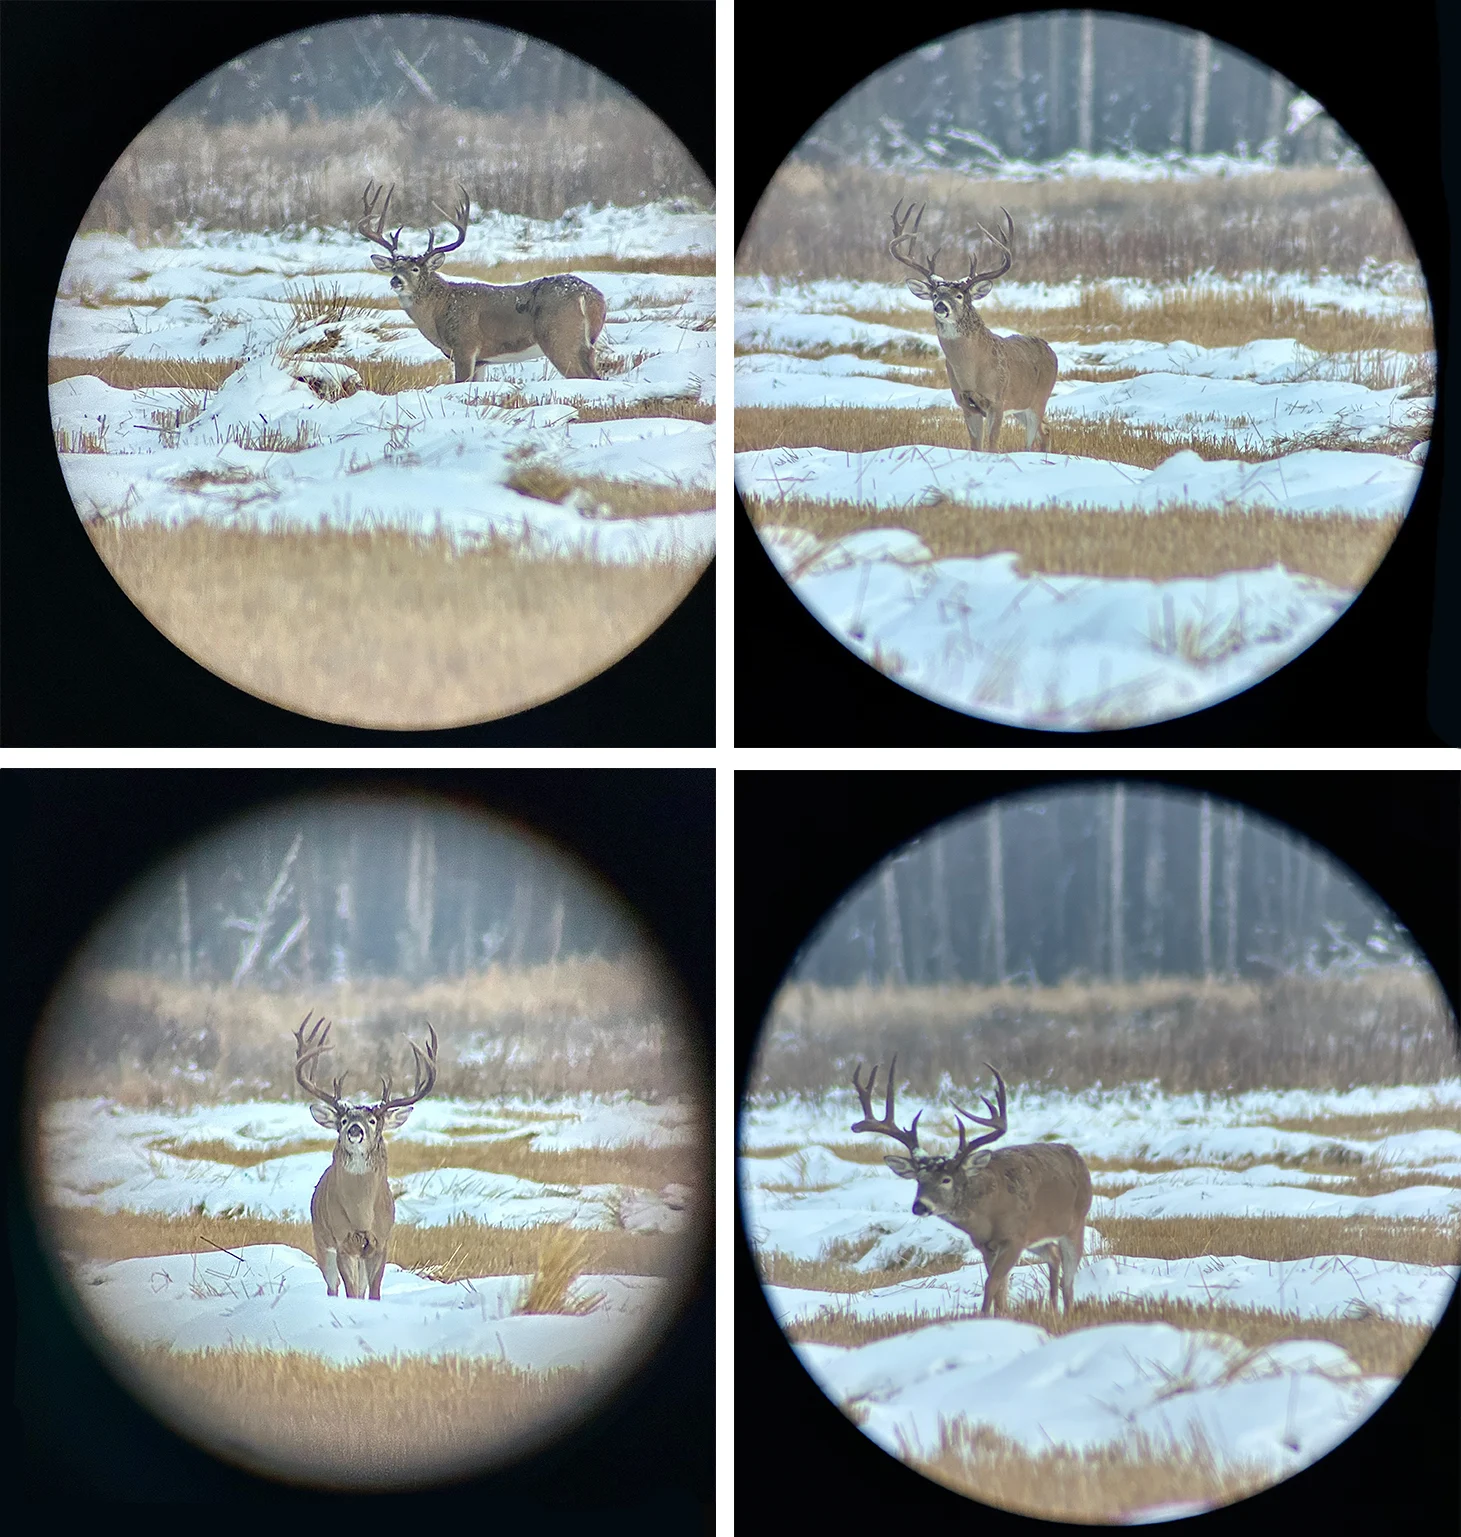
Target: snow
{"type": "Point", "coordinates": [429, 461]}
{"type": "Point", "coordinates": [1275, 1409]}
{"type": "Point", "coordinates": [112, 1158]}
{"type": "Point", "coordinates": [271, 1297]}
{"type": "Point", "coordinates": [108, 1157]}
{"type": "Point", "coordinates": [1070, 652]}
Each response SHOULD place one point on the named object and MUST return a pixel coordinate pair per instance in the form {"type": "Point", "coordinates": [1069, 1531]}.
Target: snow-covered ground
{"type": "Point", "coordinates": [1276, 1408]}
{"type": "Point", "coordinates": [112, 1158]}
{"type": "Point", "coordinates": [425, 460]}
{"type": "Point", "coordinates": [1067, 651]}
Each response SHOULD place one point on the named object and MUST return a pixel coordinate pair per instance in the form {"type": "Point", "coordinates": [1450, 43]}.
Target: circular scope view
{"type": "Point", "coordinates": [382, 372]}
{"type": "Point", "coordinates": [368, 1138]}
{"type": "Point", "coordinates": [1099, 1154]}
{"type": "Point", "coordinates": [1084, 371]}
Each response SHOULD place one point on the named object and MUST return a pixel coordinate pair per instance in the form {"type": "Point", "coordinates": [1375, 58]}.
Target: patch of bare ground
{"type": "Point", "coordinates": [678, 407]}
{"type": "Point", "coordinates": [452, 1251]}
{"type": "Point", "coordinates": [1165, 545]}
{"type": "Point", "coordinates": [1378, 1346]}
{"type": "Point", "coordinates": [376, 1423]}
{"type": "Point", "coordinates": [1393, 1123]}
{"type": "Point", "coordinates": [382, 628]}
{"type": "Point", "coordinates": [1407, 1241]}
{"type": "Point", "coordinates": [1108, 1484]}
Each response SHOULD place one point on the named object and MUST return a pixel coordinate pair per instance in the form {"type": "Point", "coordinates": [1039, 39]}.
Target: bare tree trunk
{"type": "Point", "coordinates": [893, 969]}
{"type": "Point", "coordinates": [1204, 884]}
{"type": "Point", "coordinates": [420, 898]}
{"type": "Point", "coordinates": [1153, 883]}
{"type": "Point", "coordinates": [185, 931]}
{"type": "Point", "coordinates": [555, 930]}
{"type": "Point", "coordinates": [1014, 68]}
{"type": "Point", "coordinates": [943, 956]}
{"type": "Point", "coordinates": [1055, 146]}
{"type": "Point", "coordinates": [343, 955]}
{"type": "Point", "coordinates": [1201, 72]}
{"type": "Point", "coordinates": [996, 892]}
{"type": "Point", "coordinates": [1087, 80]}
{"type": "Point", "coordinates": [1232, 848]}
{"type": "Point", "coordinates": [1278, 89]}
{"type": "Point", "coordinates": [258, 926]}
{"type": "Point", "coordinates": [519, 919]}
{"type": "Point", "coordinates": [1118, 882]}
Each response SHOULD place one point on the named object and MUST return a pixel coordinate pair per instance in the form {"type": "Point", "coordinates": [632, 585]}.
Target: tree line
{"type": "Point", "coordinates": [1039, 87]}
{"type": "Point", "coordinates": [351, 889]}
{"type": "Point", "coordinates": [1117, 884]}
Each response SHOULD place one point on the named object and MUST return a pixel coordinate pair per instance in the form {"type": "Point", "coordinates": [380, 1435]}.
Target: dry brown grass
{"type": "Point", "coordinates": [452, 1251]}
{"type": "Point", "coordinates": [1108, 1484]}
{"type": "Point", "coordinates": [1378, 1346]}
{"type": "Point", "coordinates": [865, 429]}
{"type": "Point", "coordinates": [630, 1163]}
{"type": "Point", "coordinates": [561, 1260]}
{"type": "Point", "coordinates": [1162, 546]}
{"type": "Point", "coordinates": [124, 373]}
{"type": "Point", "coordinates": [382, 628]}
{"type": "Point", "coordinates": [831, 221]}
{"type": "Point", "coordinates": [678, 266]}
{"type": "Point", "coordinates": [609, 498]}
{"type": "Point", "coordinates": [377, 1424]}
{"type": "Point", "coordinates": [679, 407]}
{"type": "Point", "coordinates": [1409, 1241]}
{"type": "Point", "coordinates": [1197, 313]}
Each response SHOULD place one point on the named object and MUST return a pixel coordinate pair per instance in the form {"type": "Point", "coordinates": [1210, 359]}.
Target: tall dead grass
{"type": "Point", "coordinates": [832, 222]}
{"type": "Point", "coordinates": [585, 1024]}
{"type": "Point", "coordinates": [311, 173]}
{"type": "Point", "coordinates": [382, 628]}
{"type": "Point", "coordinates": [1162, 546]}
{"type": "Point", "coordinates": [1390, 1025]}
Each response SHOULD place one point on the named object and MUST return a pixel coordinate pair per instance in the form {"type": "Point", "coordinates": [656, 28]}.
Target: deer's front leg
{"type": "Point", "coordinates": [972, 406]}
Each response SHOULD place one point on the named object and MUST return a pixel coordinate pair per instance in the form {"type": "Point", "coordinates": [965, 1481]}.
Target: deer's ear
{"type": "Point", "coordinates": [920, 290]}
{"type": "Point", "coordinates": [383, 262]}
{"type": "Point", "coordinates": [325, 1115]}
{"type": "Point", "coordinates": [435, 260]}
{"type": "Point", "coordinates": [397, 1116]}
{"type": "Point", "coordinates": [904, 1168]}
{"type": "Point", "coordinates": [982, 290]}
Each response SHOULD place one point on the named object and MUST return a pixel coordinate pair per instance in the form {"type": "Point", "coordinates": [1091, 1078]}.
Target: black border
{"type": "Point", "coordinates": [73, 839]}
{"type": "Point", "coordinates": [81, 666]}
{"type": "Point", "coordinates": [801, 840]}
{"type": "Point", "coordinates": [1367, 679]}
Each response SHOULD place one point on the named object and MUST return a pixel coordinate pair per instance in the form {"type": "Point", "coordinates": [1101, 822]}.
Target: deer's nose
{"type": "Point", "coordinates": [919, 1209]}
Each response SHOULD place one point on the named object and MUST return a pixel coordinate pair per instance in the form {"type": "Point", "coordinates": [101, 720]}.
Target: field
{"type": "Point", "coordinates": [1246, 383]}
{"type": "Point", "coordinates": [544, 1238]}
{"type": "Point", "coordinates": [1262, 1264]}
{"type": "Point", "coordinates": [276, 466]}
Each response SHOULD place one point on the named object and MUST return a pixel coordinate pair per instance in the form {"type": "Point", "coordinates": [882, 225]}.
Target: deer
{"type": "Point", "coordinates": [1013, 1202]}
{"type": "Point", "coordinates": [352, 1209]}
{"type": "Point", "coordinates": [991, 376]}
{"type": "Point", "coordinates": [557, 317]}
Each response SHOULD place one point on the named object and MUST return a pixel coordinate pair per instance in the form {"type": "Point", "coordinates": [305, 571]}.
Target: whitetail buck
{"type": "Point", "coordinates": [991, 376]}
{"type": "Point", "coordinates": [557, 317]}
{"type": "Point", "coordinates": [353, 1209]}
{"type": "Point", "coordinates": [1015, 1201]}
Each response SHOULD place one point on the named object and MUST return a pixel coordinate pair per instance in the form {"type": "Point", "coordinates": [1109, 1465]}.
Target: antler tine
{"type": "Point", "coordinates": [1002, 243]}
{"type": "Point", "coordinates": [377, 235]}
{"type": "Point", "coordinates": [886, 1125]}
{"type": "Point", "coordinates": [308, 1051]}
{"type": "Point", "coordinates": [997, 1118]}
{"type": "Point", "coordinates": [425, 1073]}
{"type": "Point", "coordinates": [902, 234]}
